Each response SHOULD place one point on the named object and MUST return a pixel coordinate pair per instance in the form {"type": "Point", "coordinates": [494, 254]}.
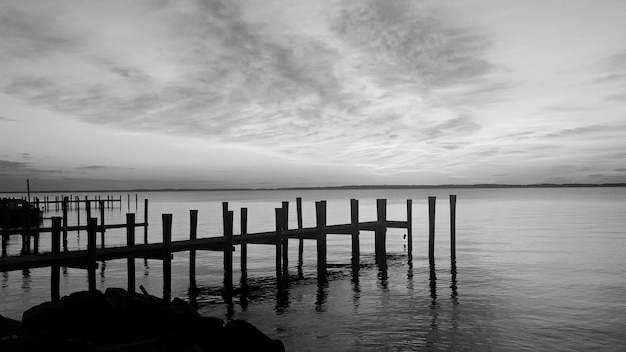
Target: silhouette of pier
{"type": "Point", "coordinates": [226, 243]}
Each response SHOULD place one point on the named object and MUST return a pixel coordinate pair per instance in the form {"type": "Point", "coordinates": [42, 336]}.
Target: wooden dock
{"type": "Point", "coordinates": [226, 243]}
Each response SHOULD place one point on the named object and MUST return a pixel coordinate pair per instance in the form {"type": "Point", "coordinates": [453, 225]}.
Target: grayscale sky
{"type": "Point", "coordinates": [202, 94]}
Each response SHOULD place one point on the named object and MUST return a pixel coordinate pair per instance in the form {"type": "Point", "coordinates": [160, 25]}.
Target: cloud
{"type": "Point", "coordinates": [103, 167]}
{"type": "Point", "coordinates": [615, 98]}
{"type": "Point", "coordinates": [2, 118]}
{"type": "Point", "coordinates": [361, 89]}
{"type": "Point", "coordinates": [413, 40]}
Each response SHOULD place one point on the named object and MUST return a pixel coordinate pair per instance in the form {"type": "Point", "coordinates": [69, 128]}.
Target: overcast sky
{"type": "Point", "coordinates": [202, 94]}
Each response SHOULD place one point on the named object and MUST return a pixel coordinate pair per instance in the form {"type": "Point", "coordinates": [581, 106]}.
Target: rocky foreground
{"type": "Point", "coordinates": [120, 321]}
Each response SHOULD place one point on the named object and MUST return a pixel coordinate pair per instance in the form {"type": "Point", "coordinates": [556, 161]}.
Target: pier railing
{"type": "Point", "coordinates": [279, 237]}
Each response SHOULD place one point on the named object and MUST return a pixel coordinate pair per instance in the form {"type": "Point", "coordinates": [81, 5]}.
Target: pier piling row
{"type": "Point", "coordinates": [87, 259]}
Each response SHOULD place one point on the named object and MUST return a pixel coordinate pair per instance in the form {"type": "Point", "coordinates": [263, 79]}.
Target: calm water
{"type": "Point", "coordinates": [537, 270]}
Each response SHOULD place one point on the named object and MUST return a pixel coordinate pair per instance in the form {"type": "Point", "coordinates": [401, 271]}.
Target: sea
{"type": "Point", "coordinates": [537, 269]}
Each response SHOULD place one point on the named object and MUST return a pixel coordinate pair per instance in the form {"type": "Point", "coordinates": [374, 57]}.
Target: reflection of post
{"type": "Point", "coordinates": [320, 215]}
{"type": "Point", "coordinates": [381, 231]}
{"type": "Point", "coordinates": [244, 248]}
{"type": "Point", "coordinates": [453, 231]}
{"type": "Point", "coordinates": [354, 221]}
{"type": "Point", "coordinates": [285, 249]}
{"type": "Point", "coordinates": [130, 242]}
{"type": "Point", "coordinates": [431, 234]}
{"type": "Point", "coordinates": [193, 231]}
{"type": "Point", "coordinates": [55, 274]}
{"type": "Point", "coordinates": [167, 257]}
{"type": "Point", "coordinates": [92, 225]}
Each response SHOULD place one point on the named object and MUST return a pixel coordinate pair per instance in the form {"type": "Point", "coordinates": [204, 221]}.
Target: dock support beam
{"type": "Point", "coordinates": [244, 248]}
{"type": "Point", "coordinates": [409, 227]}
{"type": "Point", "coordinates": [167, 257]}
{"type": "Point", "coordinates": [278, 243]}
{"type": "Point", "coordinates": [285, 240]}
{"type": "Point", "coordinates": [354, 221]}
{"type": "Point", "coordinates": [55, 274]}
{"type": "Point", "coordinates": [92, 226]}
{"type": "Point", "coordinates": [130, 242]}
{"type": "Point", "coordinates": [320, 217]}
{"type": "Point", "coordinates": [228, 249]}
{"type": "Point", "coordinates": [431, 235]}
{"type": "Point", "coordinates": [193, 234]}
{"type": "Point", "coordinates": [453, 231]}
{"type": "Point", "coordinates": [381, 231]}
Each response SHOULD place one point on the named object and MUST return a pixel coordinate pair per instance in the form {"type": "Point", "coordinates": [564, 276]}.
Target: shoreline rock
{"type": "Point", "coordinates": [117, 320]}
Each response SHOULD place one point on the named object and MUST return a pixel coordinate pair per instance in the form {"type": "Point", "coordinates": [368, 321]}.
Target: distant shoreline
{"type": "Point", "coordinates": [352, 187]}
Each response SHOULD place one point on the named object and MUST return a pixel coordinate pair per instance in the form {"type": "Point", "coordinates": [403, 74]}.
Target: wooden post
{"type": "Point", "coordinates": [65, 205]}
{"type": "Point", "coordinates": [130, 242]}
{"type": "Point", "coordinates": [102, 229]}
{"type": "Point", "coordinates": [285, 249]}
{"type": "Point", "coordinates": [136, 198]}
{"type": "Point", "coordinates": [87, 208]}
{"type": "Point", "coordinates": [227, 221]}
{"type": "Point", "coordinates": [320, 218]}
{"type": "Point", "coordinates": [193, 235]}
{"type": "Point", "coordinates": [453, 231]}
{"type": "Point", "coordinates": [167, 257]}
{"type": "Point", "coordinates": [381, 231]}
{"type": "Point", "coordinates": [300, 241]}
{"type": "Point", "coordinates": [279, 224]}
{"type": "Point", "coordinates": [92, 229]}
{"type": "Point", "coordinates": [409, 226]}
{"type": "Point", "coordinates": [145, 219]}
{"type": "Point", "coordinates": [55, 275]}
{"type": "Point", "coordinates": [354, 221]}
{"type": "Point", "coordinates": [431, 234]}
{"type": "Point", "coordinates": [78, 213]}
{"type": "Point", "coordinates": [244, 248]}
{"type": "Point", "coordinates": [128, 201]}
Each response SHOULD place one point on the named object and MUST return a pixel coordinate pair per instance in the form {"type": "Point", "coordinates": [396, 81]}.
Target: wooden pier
{"type": "Point", "coordinates": [226, 243]}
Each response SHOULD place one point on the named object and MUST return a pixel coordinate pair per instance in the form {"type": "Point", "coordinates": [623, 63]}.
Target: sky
{"type": "Point", "coordinates": [130, 94]}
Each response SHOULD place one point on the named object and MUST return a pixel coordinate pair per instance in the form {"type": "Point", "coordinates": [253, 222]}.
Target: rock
{"type": "Point", "coordinates": [121, 321]}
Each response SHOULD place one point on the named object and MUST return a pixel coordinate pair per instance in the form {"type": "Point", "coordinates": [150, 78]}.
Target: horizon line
{"type": "Point", "coordinates": [442, 186]}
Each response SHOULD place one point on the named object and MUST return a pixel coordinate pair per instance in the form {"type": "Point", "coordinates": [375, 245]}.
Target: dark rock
{"type": "Point", "coordinates": [121, 321]}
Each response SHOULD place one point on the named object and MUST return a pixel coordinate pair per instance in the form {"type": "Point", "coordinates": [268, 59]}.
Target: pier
{"type": "Point", "coordinates": [226, 243]}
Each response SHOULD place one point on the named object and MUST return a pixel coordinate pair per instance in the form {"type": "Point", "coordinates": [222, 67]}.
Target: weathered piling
{"type": "Point", "coordinates": [285, 249]}
{"type": "Point", "coordinates": [55, 274]}
{"type": "Point", "coordinates": [277, 241]}
{"type": "Point", "coordinates": [244, 248]}
{"type": "Point", "coordinates": [409, 227]}
{"type": "Point", "coordinates": [167, 256]}
{"type": "Point", "coordinates": [145, 220]}
{"type": "Point", "coordinates": [78, 213]}
{"type": "Point", "coordinates": [431, 235]}
{"type": "Point", "coordinates": [103, 229]}
{"type": "Point", "coordinates": [193, 235]}
{"type": "Point", "coordinates": [453, 231]}
{"type": "Point", "coordinates": [300, 241]}
{"type": "Point", "coordinates": [354, 232]}
{"type": "Point", "coordinates": [130, 242]}
{"type": "Point", "coordinates": [92, 226]}
{"type": "Point", "coordinates": [320, 220]}
{"type": "Point", "coordinates": [227, 216]}
{"type": "Point", "coordinates": [65, 205]}
{"type": "Point", "coordinates": [381, 231]}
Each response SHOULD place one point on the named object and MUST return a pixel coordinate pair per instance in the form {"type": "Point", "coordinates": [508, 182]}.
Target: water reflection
{"type": "Point", "coordinates": [322, 297]}
{"type": "Point", "coordinates": [282, 300]}
{"type": "Point", "coordinates": [26, 279]}
{"type": "Point", "coordinates": [146, 268]}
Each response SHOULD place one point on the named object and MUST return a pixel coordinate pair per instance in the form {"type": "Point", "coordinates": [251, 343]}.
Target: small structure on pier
{"type": "Point", "coordinates": [15, 213]}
